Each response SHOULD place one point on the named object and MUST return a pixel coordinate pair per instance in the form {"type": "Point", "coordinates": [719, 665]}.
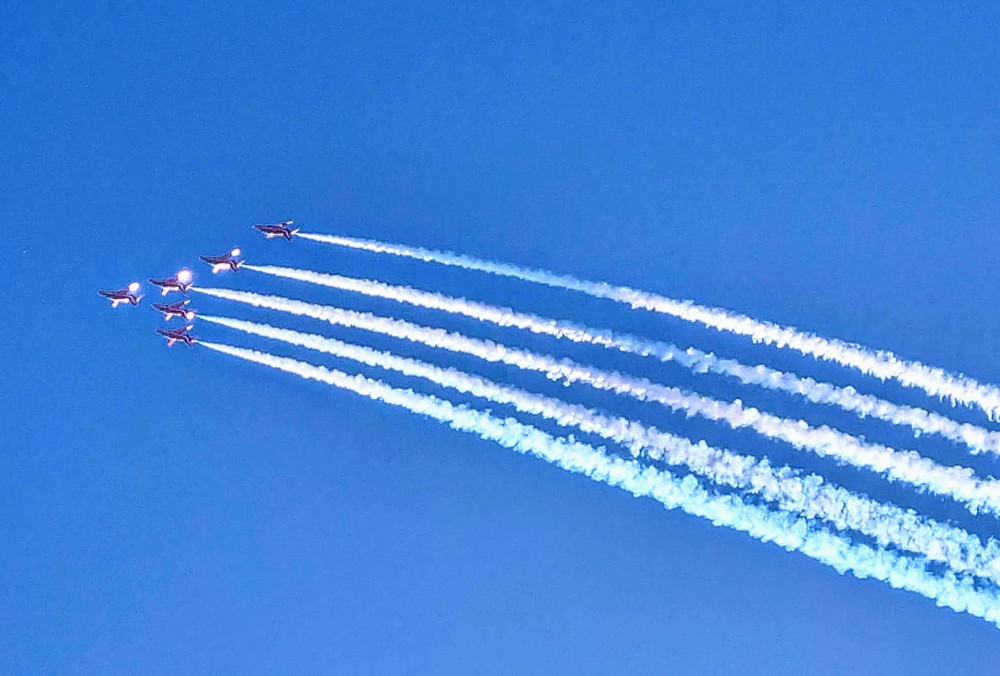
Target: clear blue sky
{"type": "Point", "coordinates": [173, 511]}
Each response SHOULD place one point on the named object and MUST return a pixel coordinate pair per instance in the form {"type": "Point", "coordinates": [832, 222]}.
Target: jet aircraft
{"type": "Point", "coordinates": [283, 229]}
{"type": "Point", "coordinates": [175, 335]}
{"type": "Point", "coordinates": [177, 309]}
{"type": "Point", "coordinates": [125, 294]}
{"type": "Point", "coordinates": [227, 260]}
{"type": "Point", "coordinates": [179, 282]}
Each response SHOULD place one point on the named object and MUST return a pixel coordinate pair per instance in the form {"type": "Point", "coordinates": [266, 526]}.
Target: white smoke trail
{"type": "Point", "coordinates": [910, 467]}
{"type": "Point", "coordinates": [881, 364]}
{"type": "Point", "coordinates": [847, 398]}
{"type": "Point", "coordinates": [959, 593]}
{"type": "Point", "coordinates": [806, 495]}
{"type": "Point", "coordinates": [978, 439]}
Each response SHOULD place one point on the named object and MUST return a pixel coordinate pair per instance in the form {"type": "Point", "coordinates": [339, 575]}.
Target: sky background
{"type": "Point", "coordinates": [175, 511]}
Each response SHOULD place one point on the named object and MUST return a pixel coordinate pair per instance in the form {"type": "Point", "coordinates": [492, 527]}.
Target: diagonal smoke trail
{"type": "Point", "coordinates": [794, 534]}
{"type": "Point", "coordinates": [881, 364]}
{"type": "Point", "coordinates": [806, 495]}
{"type": "Point", "coordinates": [977, 438]}
{"type": "Point", "coordinates": [910, 467]}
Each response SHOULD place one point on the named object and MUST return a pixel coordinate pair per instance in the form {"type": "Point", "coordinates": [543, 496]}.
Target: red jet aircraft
{"type": "Point", "coordinates": [179, 282]}
{"type": "Point", "coordinates": [175, 310]}
{"type": "Point", "coordinates": [224, 261]}
{"type": "Point", "coordinates": [283, 229]}
{"type": "Point", "coordinates": [124, 295]}
{"type": "Point", "coordinates": [181, 334]}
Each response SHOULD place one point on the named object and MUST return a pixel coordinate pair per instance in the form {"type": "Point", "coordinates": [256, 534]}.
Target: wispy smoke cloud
{"type": "Point", "coordinates": [795, 534]}
{"type": "Point", "coordinates": [976, 438]}
{"type": "Point", "coordinates": [959, 483]}
{"type": "Point", "coordinates": [878, 363]}
{"type": "Point", "coordinates": [806, 495]}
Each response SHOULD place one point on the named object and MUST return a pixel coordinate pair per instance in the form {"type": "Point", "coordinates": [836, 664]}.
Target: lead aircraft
{"type": "Point", "coordinates": [283, 229]}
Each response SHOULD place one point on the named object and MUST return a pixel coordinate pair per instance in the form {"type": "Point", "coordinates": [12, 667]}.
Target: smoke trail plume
{"type": "Point", "coordinates": [878, 363]}
{"type": "Point", "coordinates": [806, 495]}
{"type": "Point", "coordinates": [910, 467]}
{"type": "Point", "coordinates": [794, 534]}
{"type": "Point", "coordinates": [976, 438]}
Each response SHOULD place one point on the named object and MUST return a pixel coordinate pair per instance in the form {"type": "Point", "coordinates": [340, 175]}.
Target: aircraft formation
{"type": "Point", "coordinates": [182, 281]}
{"type": "Point", "coordinates": [848, 529]}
